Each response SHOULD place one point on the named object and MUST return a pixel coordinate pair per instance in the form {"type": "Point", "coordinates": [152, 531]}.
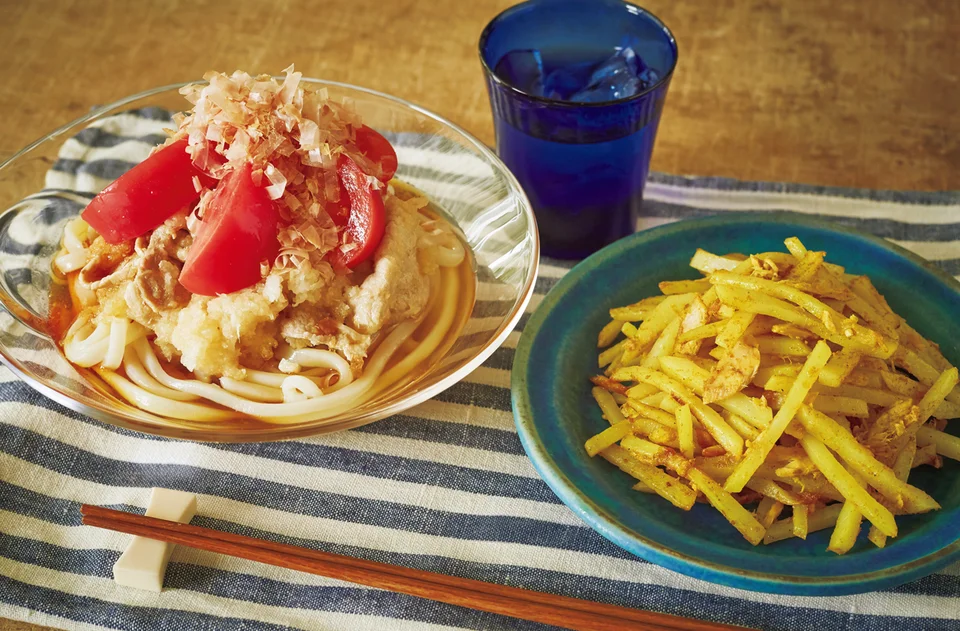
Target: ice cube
{"type": "Point", "coordinates": [523, 69]}
{"type": "Point", "coordinates": [622, 75]}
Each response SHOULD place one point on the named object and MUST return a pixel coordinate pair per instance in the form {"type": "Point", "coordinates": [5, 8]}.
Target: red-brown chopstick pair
{"type": "Point", "coordinates": [561, 611]}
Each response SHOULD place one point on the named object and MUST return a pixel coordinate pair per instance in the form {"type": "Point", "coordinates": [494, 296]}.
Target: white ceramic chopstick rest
{"type": "Point", "coordinates": [144, 562]}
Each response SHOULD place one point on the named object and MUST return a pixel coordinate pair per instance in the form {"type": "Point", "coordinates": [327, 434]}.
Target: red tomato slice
{"type": "Point", "coordinates": [238, 232]}
{"type": "Point", "coordinates": [147, 195]}
{"type": "Point", "coordinates": [367, 220]}
{"type": "Point", "coordinates": [378, 149]}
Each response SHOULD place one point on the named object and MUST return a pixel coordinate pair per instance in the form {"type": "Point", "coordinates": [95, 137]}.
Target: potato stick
{"type": "Point", "coordinates": [839, 367]}
{"type": "Point", "coordinates": [648, 331]}
{"type": "Point", "coordinates": [726, 311]}
{"type": "Point", "coordinates": [862, 287]}
{"type": "Point", "coordinates": [618, 398]}
{"type": "Point", "coordinates": [926, 455]}
{"type": "Point", "coordinates": [611, 411]}
{"type": "Point", "coordinates": [903, 385]}
{"type": "Point", "coordinates": [761, 447]}
{"type": "Point", "coordinates": [828, 273]}
{"type": "Point", "coordinates": [666, 486]}
{"type": "Point", "coordinates": [745, 429]}
{"type": "Point", "coordinates": [791, 330]}
{"type": "Point", "coordinates": [847, 530]}
{"type": "Point", "coordinates": [664, 344]}
{"type": "Point", "coordinates": [702, 332]}
{"type": "Point", "coordinates": [807, 266]}
{"type": "Point", "coordinates": [672, 287]}
{"type": "Point", "coordinates": [642, 409]}
{"type": "Point", "coordinates": [686, 371]}
{"type": "Point", "coordinates": [712, 421]}
{"type": "Point", "coordinates": [800, 524]}
{"type": "Point", "coordinates": [876, 537]}
{"type": "Point", "coordinates": [640, 391]}
{"type": "Point", "coordinates": [769, 488]}
{"type": "Point", "coordinates": [669, 404]}
{"type": "Point", "coordinates": [654, 399]}
{"type": "Point", "coordinates": [643, 487]}
{"type": "Point", "coordinates": [704, 363]}
{"type": "Point", "coordinates": [736, 327]}
{"type": "Point", "coordinates": [947, 444]}
{"type": "Point", "coordinates": [927, 350]}
{"type": "Point", "coordinates": [706, 262]}
{"type": "Point", "coordinates": [709, 297]}
{"type": "Point", "coordinates": [830, 404]}
{"type": "Point", "coordinates": [780, 370]}
{"type": "Point", "coordinates": [795, 247]}
{"type": "Point", "coordinates": [821, 519]}
{"type": "Point", "coordinates": [636, 311]}
{"type": "Point", "coordinates": [783, 310]}
{"type": "Point", "coordinates": [607, 437]}
{"type": "Point", "coordinates": [607, 356]}
{"type": "Point", "coordinates": [871, 316]}
{"type": "Point", "coordinates": [907, 387]}
{"type": "Point", "coordinates": [609, 333]}
{"type": "Point", "coordinates": [865, 378]}
{"type": "Point", "coordinates": [876, 513]}
{"type": "Point", "coordinates": [782, 346]}
{"type": "Point", "coordinates": [658, 433]}
{"type": "Point", "coordinates": [720, 468]}
{"type": "Point", "coordinates": [798, 250]}
{"type": "Point", "coordinates": [782, 383]}
{"type": "Point", "coordinates": [924, 372]}
{"type": "Point", "coordinates": [901, 468]}
{"type": "Point", "coordinates": [767, 511]}
{"type": "Point", "coordinates": [943, 386]}
{"type": "Point", "coordinates": [832, 320]}
{"type": "Point", "coordinates": [738, 516]}
{"type": "Point", "coordinates": [685, 431]}
{"type": "Point", "coordinates": [870, 396]}
{"type": "Point", "coordinates": [878, 475]}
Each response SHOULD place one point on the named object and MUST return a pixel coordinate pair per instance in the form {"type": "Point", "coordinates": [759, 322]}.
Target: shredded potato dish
{"type": "Point", "coordinates": [780, 389]}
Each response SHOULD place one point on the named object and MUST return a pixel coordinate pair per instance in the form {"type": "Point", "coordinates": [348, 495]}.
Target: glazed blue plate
{"type": "Point", "coordinates": [555, 413]}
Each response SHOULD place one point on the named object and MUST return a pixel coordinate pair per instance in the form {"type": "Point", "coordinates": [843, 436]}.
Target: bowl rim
{"type": "Point", "coordinates": [286, 432]}
{"type": "Point", "coordinates": [645, 547]}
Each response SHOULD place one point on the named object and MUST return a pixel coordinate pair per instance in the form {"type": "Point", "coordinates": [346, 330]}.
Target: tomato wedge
{"type": "Point", "coordinates": [238, 232]}
{"type": "Point", "coordinates": [367, 220]}
{"type": "Point", "coordinates": [147, 195]}
{"type": "Point", "coordinates": [378, 149]}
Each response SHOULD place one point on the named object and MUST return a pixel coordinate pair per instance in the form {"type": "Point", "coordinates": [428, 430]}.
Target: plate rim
{"type": "Point", "coordinates": [604, 524]}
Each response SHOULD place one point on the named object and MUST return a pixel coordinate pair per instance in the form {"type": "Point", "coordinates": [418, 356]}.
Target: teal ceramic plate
{"type": "Point", "coordinates": [555, 413]}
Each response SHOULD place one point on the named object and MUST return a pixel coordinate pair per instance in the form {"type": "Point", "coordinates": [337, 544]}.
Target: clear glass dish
{"type": "Point", "coordinates": [463, 178]}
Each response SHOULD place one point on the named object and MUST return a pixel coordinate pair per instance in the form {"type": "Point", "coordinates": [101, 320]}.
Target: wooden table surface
{"type": "Point", "coordinates": [859, 93]}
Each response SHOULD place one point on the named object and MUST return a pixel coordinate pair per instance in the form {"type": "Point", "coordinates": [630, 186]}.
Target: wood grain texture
{"type": "Point", "coordinates": [859, 93]}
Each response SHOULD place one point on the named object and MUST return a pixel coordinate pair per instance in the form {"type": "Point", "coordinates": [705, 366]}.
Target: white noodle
{"type": "Point", "coordinates": [252, 391]}
{"type": "Point", "coordinates": [138, 375]}
{"type": "Point", "coordinates": [71, 261]}
{"type": "Point", "coordinates": [297, 388]}
{"type": "Point", "coordinates": [116, 343]}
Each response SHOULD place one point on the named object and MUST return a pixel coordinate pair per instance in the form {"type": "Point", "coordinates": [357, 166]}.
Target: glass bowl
{"type": "Point", "coordinates": [51, 181]}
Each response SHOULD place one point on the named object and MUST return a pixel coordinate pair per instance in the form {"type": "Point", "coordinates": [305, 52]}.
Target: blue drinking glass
{"type": "Point", "coordinates": [583, 165]}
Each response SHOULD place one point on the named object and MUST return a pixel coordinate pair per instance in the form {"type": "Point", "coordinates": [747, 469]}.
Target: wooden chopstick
{"type": "Point", "coordinates": [561, 611]}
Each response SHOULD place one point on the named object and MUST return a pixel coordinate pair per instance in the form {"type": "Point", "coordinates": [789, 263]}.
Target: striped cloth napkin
{"type": "Point", "coordinates": [445, 487]}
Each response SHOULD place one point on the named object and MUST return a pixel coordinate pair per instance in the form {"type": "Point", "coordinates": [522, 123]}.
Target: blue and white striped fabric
{"type": "Point", "coordinates": [445, 487]}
